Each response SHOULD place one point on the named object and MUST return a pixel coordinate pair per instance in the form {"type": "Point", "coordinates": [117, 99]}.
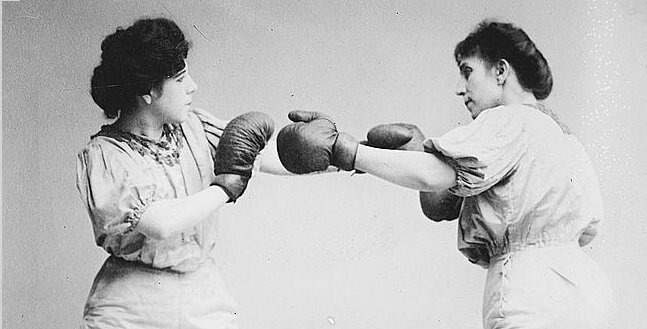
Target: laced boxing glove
{"type": "Point", "coordinates": [312, 143]}
{"type": "Point", "coordinates": [437, 206]}
{"type": "Point", "coordinates": [241, 141]}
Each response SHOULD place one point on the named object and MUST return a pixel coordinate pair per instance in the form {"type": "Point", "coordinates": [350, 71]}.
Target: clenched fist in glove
{"type": "Point", "coordinates": [241, 141]}
{"type": "Point", "coordinates": [396, 136]}
{"type": "Point", "coordinates": [401, 136]}
{"type": "Point", "coordinates": [312, 143]}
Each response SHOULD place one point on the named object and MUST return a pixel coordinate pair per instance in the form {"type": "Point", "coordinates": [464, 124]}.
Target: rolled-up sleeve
{"type": "Point", "coordinates": [483, 152]}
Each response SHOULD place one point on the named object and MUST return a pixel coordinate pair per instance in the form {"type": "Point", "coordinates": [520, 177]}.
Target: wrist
{"type": "Point", "coordinates": [344, 152]}
{"type": "Point", "coordinates": [233, 185]}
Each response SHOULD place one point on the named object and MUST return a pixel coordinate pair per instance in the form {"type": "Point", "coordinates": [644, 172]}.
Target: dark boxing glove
{"type": "Point", "coordinates": [241, 141]}
{"type": "Point", "coordinates": [396, 136]}
{"type": "Point", "coordinates": [312, 143]}
{"type": "Point", "coordinates": [437, 206]}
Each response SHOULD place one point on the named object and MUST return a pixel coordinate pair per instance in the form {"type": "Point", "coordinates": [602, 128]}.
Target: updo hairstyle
{"type": "Point", "coordinates": [492, 41]}
{"type": "Point", "coordinates": [135, 61]}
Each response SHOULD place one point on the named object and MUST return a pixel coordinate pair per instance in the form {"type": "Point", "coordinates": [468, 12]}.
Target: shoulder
{"type": "Point", "coordinates": [100, 144]}
{"type": "Point", "coordinates": [501, 115]}
{"type": "Point", "coordinates": [106, 153]}
{"type": "Point", "coordinates": [497, 123]}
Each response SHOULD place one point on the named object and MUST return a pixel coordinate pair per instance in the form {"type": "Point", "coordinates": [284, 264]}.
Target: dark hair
{"type": "Point", "coordinates": [135, 61]}
{"type": "Point", "coordinates": [492, 41]}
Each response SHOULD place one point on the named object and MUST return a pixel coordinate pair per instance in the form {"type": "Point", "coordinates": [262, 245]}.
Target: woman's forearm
{"type": "Point", "coordinates": [166, 218]}
{"type": "Point", "coordinates": [416, 170]}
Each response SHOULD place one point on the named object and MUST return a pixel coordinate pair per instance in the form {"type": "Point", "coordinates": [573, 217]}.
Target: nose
{"type": "Point", "coordinates": [460, 88]}
{"type": "Point", "coordinates": [191, 86]}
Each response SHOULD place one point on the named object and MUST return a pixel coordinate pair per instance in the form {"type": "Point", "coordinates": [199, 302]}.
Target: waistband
{"type": "Point", "coordinates": [178, 269]}
{"type": "Point", "coordinates": [513, 248]}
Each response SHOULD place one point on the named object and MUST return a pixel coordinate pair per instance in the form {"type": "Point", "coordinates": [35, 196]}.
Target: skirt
{"type": "Point", "coordinates": [136, 296]}
{"type": "Point", "coordinates": [546, 287]}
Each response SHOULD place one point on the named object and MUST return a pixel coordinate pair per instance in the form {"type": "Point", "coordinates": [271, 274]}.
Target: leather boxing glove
{"type": "Point", "coordinates": [241, 141]}
{"type": "Point", "coordinates": [312, 143]}
{"type": "Point", "coordinates": [437, 206]}
{"type": "Point", "coordinates": [396, 136]}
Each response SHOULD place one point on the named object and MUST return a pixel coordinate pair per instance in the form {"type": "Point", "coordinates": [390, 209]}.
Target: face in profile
{"type": "Point", "coordinates": [478, 85]}
{"type": "Point", "coordinates": [174, 98]}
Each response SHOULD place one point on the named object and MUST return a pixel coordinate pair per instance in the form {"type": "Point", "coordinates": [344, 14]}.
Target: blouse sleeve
{"type": "Point", "coordinates": [483, 152]}
{"type": "Point", "coordinates": [116, 191]}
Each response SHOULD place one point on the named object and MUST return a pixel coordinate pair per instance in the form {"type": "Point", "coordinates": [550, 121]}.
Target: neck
{"type": "Point", "coordinates": [139, 122]}
{"type": "Point", "coordinates": [515, 94]}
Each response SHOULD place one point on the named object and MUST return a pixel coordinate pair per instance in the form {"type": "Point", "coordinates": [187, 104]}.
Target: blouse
{"type": "Point", "coordinates": [120, 174]}
{"type": "Point", "coordinates": [525, 183]}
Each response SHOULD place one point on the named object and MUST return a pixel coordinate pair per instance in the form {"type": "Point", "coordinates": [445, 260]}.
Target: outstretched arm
{"type": "Point", "coordinates": [416, 170]}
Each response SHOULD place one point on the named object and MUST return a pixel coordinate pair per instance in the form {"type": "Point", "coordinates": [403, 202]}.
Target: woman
{"type": "Point", "coordinates": [524, 191]}
{"type": "Point", "coordinates": [153, 181]}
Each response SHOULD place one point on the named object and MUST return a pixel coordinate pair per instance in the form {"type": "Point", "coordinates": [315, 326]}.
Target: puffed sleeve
{"type": "Point", "coordinates": [116, 191]}
{"type": "Point", "coordinates": [483, 152]}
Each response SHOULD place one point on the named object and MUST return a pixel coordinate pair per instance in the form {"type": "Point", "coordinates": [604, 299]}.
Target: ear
{"type": "Point", "coordinates": [148, 99]}
{"type": "Point", "coordinates": [502, 71]}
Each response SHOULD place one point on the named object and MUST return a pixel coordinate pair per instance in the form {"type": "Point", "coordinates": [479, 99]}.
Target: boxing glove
{"type": "Point", "coordinates": [241, 141]}
{"type": "Point", "coordinates": [396, 136]}
{"type": "Point", "coordinates": [312, 143]}
{"type": "Point", "coordinates": [437, 206]}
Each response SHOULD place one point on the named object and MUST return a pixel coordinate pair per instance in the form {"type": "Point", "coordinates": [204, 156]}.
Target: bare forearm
{"type": "Point", "coordinates": [416, 170]}
{"type": "Point", "coordinates": [167, 218]}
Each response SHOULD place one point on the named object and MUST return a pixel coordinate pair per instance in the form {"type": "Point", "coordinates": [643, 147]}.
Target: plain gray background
{"type": "Point", "coordinates": [338, 251]}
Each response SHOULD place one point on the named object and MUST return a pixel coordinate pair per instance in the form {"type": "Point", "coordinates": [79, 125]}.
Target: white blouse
{"type": "Point", "coordinates": [526, 183]}
{"type": "Point", "coordinates": [119, 175]}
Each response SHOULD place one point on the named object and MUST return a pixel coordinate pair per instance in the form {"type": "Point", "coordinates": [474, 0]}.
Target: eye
{"type": "Point", "coordinates": [180, 79]}
{"type": "Point", "coordinates": [466, 71]}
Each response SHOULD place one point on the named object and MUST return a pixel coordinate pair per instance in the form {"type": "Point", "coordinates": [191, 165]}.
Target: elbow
{"type": "Point", "coordinates": [161, 234]}
{"type": "Point", "coordinates": [438, 177]}
{"type": "Point", "coordinates": [156, 232]}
